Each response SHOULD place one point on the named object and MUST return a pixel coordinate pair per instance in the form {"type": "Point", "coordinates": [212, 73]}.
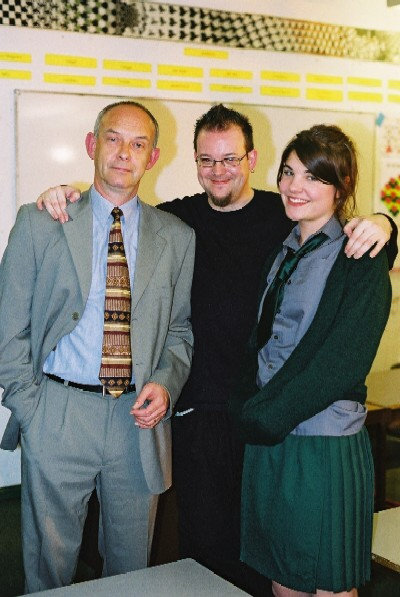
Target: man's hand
{"type": "Point", "coordinates": [55, 201]}
{"type": "Point", "coordinates": [365, 232]}
{"type": "Point", "coordinates": [157, 398]}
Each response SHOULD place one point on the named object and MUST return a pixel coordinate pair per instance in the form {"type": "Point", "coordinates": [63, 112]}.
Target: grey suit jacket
{"type": "Point", "coordinates": [45, 278]}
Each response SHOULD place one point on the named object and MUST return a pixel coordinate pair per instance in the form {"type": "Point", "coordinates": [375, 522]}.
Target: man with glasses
{"type": "Point", "coordinates": [236, 229]}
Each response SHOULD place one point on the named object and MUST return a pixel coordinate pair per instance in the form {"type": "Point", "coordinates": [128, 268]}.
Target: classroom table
{"type": "Point", "coordinates": [184, 578]}
{"type": "Point", "coordinates": [386, 538]}
{"type": "Point", "coordinates": [383, 402]}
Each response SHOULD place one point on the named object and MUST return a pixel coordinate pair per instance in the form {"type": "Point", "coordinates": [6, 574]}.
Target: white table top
{"type": "Point", "coordinates": [185, 578]}
{"type": "Point", "coordinates": [386, 538]}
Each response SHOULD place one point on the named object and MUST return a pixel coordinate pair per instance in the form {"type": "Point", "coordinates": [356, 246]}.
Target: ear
{"type": "Point", "coordinates": [252, 157]}
{"type": "Point", "coordinates": [90, 143]}
{"type": "Point", "coordinates": [155, 154]}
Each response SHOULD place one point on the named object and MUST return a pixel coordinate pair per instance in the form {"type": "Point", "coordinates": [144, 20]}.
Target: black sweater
{"type": "Point", "coordinates": [231, 248]}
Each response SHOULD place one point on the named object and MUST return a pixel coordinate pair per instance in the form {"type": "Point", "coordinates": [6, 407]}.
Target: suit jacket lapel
{"type": "Point", "coordinates": [150, 247]}
{"type": "Point", "coordinates": [79, 235]}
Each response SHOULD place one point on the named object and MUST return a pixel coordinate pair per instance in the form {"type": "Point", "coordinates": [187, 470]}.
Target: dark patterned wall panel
{"type": "Point", "coordinates": [153, 20]}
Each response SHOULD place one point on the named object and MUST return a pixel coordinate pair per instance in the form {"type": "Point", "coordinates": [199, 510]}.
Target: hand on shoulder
{"type": "Point", "coordinates": [54, 200]}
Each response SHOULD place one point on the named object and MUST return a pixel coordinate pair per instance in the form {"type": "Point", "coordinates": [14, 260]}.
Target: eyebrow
{"type": "Point", "coordinates": [145, 137]}
{"type": "Point", "coordinates": [307, 171]}
{"type": "Point", "coordinates": [208, 155]}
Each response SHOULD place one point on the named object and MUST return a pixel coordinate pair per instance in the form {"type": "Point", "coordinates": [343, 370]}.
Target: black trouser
{"type": "Point", "coordinates": [207, 468]}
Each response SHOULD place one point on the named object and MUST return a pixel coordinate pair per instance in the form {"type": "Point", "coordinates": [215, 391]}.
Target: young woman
{"type": "Point", "coordinates": [307, 498]}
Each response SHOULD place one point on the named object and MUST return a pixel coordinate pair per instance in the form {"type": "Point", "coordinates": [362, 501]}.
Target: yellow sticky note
{"type": "Point", "coordinates": [68, 79]}
{"type": "Point", "coordinates": [179, 85]}
{"type": "Point", "coordinates": [67, 60]}
{"type": "Point", "coordinates": [173, 70]}
{"type": "Point", "coordinates": [124, 82]}
{"type": "Point", "coordinates": [324, 95]}
{"type": "Point", "coordinates": [280, 91]}
{"type": "Point", "coordinates": [364, 81]}
{"type": "Point", "coordinates": [394, 98]}
{"type": "Point", "coordinates": [365, 96]}
{"type": "Point", "coordinates": [394, 83]}
{"type": "Point", "coordinates": [326, 79]}
{"type": "Point", "coordinates": [230, 73]}
{"type": "Point", "coordinates": [230, 88]}
{"type": "Point", "coordinates": [202, 53]}
{"type": "Point", "coordinates": [139, 67]}
{"type": "Point", "coordinates": [272, 75]}
{"type": "Point", "coordinates": [15, 74]}
{"type": "Point", "coordinates": [15, 57]}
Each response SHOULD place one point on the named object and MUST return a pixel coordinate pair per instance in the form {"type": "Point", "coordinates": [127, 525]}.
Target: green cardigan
{"type": "Point", "coordinates": [330, 362]}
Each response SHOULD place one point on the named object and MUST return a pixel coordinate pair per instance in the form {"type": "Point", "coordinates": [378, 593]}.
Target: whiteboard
{"type": "Point", "coordinates": [51, 129]}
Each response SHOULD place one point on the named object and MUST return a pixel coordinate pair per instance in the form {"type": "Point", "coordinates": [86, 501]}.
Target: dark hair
{"type": "Point", "coordinates": [331, 157]}
{"type": "Point", "coordinates": [221, 118]}
{"type": "Point", "coordinates": [126, 103]}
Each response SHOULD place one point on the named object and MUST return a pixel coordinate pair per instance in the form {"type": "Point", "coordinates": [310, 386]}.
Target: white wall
{"type": "Point", "coordinates": [372, 14]}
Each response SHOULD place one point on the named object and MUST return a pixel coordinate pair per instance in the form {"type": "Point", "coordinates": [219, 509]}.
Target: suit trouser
{"type": "Point", "coordinates": [75, 442]}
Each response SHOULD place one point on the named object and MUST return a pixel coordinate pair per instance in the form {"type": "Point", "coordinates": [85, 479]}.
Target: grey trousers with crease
{"type": "Point", "coordinates": [75, 442]}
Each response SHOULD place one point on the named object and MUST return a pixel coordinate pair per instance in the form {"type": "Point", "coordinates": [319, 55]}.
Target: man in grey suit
{"type": "Point", "coordinates": [75, 436]}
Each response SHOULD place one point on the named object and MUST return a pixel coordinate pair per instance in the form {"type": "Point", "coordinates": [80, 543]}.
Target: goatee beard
{"type": "Point", "coordinates": [220, 201]}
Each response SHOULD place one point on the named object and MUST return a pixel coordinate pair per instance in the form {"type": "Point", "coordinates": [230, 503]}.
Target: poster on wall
{"type": "Point", "coordinates": [388, 166]}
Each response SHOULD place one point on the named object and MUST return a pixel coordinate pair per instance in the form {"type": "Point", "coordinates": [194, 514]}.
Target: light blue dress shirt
{"type": "Point", "coordinates": [77, 356]}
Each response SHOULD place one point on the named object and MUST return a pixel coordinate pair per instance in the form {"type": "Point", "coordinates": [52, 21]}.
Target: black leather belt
{"type": "Point", "coordinates": [86, 387]}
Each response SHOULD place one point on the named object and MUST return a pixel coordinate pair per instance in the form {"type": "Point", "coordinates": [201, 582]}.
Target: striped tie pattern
{"type": "Point", "coordinates": [116, 361]}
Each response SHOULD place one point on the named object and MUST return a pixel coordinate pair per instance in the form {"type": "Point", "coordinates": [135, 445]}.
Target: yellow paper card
{"type": "Point", "coordinates": [230, 88]}
{"type": "Point", "coordinates": [123, 82]}
{"type": "Point", "coordinates": [280, 91]}
{"type": "Point", "coordinates": [15, 74]}
{"type": "Point", "coordinates": [138, 67]}
{"type": "Point", "coordinates": [324, 95]}
{"type": "Point", "coordinates": [230, 73]}
{"type": "Point", "coordinates": [68, 79]}
{"type": "Point", "coordinates": [272, 75]}
{"type": "Point", "coordinates": [66, 60]}
{"type": "Point", "coordinates": [179, 71]}
{"type": "Point", "coordinates": [15, 57]}
{"type": "Point", "coordinates": [179, 85]}
{"type": "Point", "coordinates": [202, 53]}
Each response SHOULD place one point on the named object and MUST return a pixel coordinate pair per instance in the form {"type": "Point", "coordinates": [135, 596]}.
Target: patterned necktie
{"type": "Point", "coordinates": [274, 296]}
{"type": "Point", "coordinates": [116, 360]}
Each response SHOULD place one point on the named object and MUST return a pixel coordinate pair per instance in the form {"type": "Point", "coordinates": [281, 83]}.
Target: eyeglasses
{"type": "Point", "coordinates": [229, 162]}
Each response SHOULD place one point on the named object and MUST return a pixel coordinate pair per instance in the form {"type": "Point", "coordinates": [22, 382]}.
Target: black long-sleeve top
{"type": "Point", "coordinates": [231, 249]}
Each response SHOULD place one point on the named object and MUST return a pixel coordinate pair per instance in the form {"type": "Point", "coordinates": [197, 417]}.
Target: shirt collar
{"type": "Point", "coordinates": [102, 208]}
{"type": "Point", "coordinates": [333, 230]}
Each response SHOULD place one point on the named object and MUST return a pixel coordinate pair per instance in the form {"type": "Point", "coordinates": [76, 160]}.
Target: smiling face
{"type": "Point", "coordinates": [122, 152]}
{"type": "Point", "coordinates": [306, 199]}
{"type": "Point", "coordinates": [227, 188]}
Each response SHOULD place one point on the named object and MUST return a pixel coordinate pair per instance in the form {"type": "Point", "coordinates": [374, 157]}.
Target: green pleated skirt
{"type": "Point", "coordinates": [307, 508]}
